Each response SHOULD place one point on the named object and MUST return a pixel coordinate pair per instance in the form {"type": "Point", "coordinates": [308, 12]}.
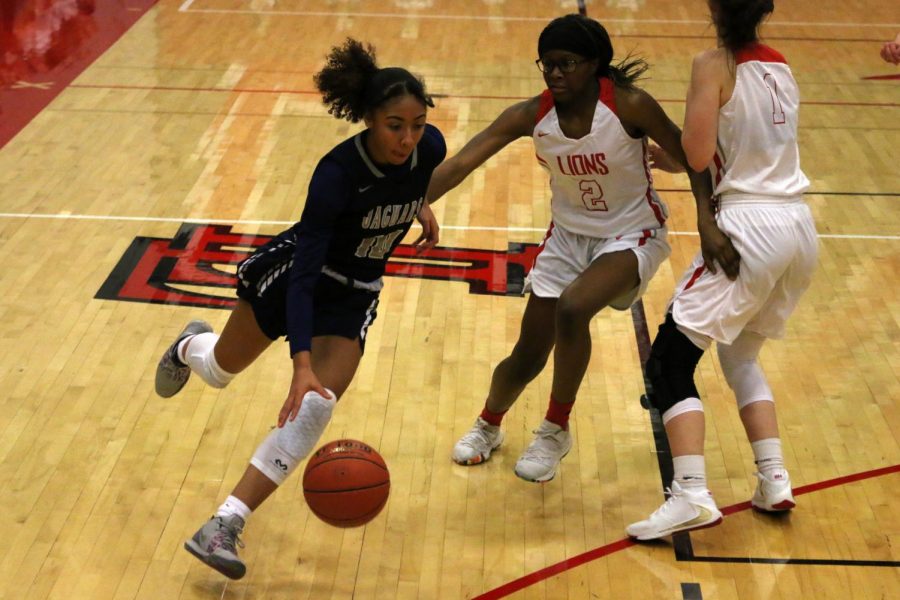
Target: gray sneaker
{"type": "Point", "coordinates": [171, 373]}
{"type": "Point", "coordinates": [214, 544]}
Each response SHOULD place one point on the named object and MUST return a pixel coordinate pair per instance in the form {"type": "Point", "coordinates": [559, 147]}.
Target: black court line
{"type": "Point", "coordinates": [691, 591]}
{"type": "Point", "coordinates": [795, 561]}
{"type": "Point", "coordinates": [681, 542]}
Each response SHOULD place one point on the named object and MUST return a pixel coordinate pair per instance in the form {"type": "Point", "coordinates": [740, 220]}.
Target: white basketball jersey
{"type": "Point", "coordinates": [757, 150]}
{"type": "Point", "coordinates": [600, 184]}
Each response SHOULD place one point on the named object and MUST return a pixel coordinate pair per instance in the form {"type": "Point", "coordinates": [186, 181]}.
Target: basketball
{"type": "Point", "coordinates": [346, 483]}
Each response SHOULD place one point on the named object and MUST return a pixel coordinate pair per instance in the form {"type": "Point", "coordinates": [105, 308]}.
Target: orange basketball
{"type": "Point", "coordinates": [346, 483]}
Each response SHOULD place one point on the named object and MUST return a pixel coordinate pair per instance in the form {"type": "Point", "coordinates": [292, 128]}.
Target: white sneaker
{"type": "Point", "coordinates": [539, 461]}
{"type": "Point", "coordinates": [773, 495]}
{"type": "Point", "coordinates": [476, 446]}
{"type": "Point", "coordinates": [683, 511]}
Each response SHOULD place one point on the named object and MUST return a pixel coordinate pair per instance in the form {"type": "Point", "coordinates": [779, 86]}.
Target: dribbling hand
{"type": "Point", "coordinates": [430, 230]}
{"type": "Point", "coordinates": [303, 381]}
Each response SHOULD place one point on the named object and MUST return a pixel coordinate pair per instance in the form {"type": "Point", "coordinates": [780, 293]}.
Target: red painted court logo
{"type": "Point", "coordinates": [196, 267]}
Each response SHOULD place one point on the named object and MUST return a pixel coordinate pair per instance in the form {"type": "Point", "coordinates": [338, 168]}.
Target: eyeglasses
{"type": "Point", "coordinates": [565, 66]}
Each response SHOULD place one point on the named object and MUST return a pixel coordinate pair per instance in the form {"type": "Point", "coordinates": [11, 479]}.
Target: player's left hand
{"type": "Point", "coordinates": [890, 51]}
{"type": "Point", "coordinates": [716, 247]}
{"type": "Point", "coordinates": [303, 381]}
{"type": "Point", "coordinates": [663, 161]}
{"type": "Point", "coordinates": [430, 230]}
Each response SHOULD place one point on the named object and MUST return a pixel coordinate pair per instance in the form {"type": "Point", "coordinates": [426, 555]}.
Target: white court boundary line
{"type": "Point", "coordinates": [186, 8]}
{"type": "Point", "coordinates": [542, 230]}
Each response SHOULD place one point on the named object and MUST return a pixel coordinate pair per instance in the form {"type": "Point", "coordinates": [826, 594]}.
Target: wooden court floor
{"type": "Point", "coordinates": [126, 199]}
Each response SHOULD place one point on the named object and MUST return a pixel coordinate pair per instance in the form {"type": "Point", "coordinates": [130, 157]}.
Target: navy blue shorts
{"type": "Point", "coordinates": [339, 309]}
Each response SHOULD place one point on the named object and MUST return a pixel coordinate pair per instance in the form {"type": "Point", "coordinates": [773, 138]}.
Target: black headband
{"type": "Point", "coordinates": [572, 33]}
{"type": "Point", "coordinates": [383, 80]}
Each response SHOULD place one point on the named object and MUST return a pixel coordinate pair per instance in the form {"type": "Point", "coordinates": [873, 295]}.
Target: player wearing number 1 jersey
{"type": "Point", "coordinates": [741, 121]}
{"type": "Point", "coordinates": [607, 237]}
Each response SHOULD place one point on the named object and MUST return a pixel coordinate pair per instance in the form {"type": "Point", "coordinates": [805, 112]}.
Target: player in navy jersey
{"type": "Point", "coordinates": [607, 237]}
{"type": "Point", "coordinates": [318, 282]}
{"type": "Point", "coordinates": [741, 121]}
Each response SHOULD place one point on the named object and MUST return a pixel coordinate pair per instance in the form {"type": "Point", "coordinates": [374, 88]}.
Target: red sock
{"type": "Point", "coordinates": [558, 412]}
{"type": "Point", "coordinates": [492, 417]}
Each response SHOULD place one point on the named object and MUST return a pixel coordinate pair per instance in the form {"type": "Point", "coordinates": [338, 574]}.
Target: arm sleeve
{"type": "Point", "coordinates": [327, 198]}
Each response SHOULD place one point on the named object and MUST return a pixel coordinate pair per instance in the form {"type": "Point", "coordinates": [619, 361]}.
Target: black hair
{"type": "Point", "coordinates": [587, 37]}
{"type": "Point", "coordinates": [737, 21]}
{"type": "Point", "coordinates": [352, 85]}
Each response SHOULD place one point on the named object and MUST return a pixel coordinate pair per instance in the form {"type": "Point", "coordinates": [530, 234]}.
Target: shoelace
{"type": "Point", "coordinates": [477, 436]}
{"type": "Point", "coordinates": [662, 510]}
{"type": "Point", "coordinates": [175, 372]}
{"type": "Point", "coordinates": [229, 536]}
{"type": "Point", "coordinates": [542, 451]}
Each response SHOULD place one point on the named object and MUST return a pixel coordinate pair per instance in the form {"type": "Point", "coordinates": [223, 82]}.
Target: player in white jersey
{"type": "Point", "coordinates": [741, 120]}
{"type": "Point", "coordinates": [607, 237]}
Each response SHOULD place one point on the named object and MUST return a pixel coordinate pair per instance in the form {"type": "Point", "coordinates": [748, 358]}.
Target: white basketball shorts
{"type": "Point", "coordinates": [565, 255]}
{"type": "Point", "coordinates": [778, 247]}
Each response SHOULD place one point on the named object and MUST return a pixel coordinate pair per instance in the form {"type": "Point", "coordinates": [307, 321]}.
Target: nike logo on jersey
{"type": "Point", "coordinates": [364, 188]}
{"type": "Point", "coordinates": [543, 133]}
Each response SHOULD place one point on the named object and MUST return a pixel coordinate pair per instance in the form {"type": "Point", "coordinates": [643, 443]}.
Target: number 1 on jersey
{"type": "Point", "coordinates": [777, 109]}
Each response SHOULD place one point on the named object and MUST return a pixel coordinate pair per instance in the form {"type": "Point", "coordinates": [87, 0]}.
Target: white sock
{"type": "Point", "coordinates": [690, 471]}
{"type": "Point", "coordinates": [768, 457]}
{"type": "Point", "coordinates": [234, 506]}
{"type": "Point", "coordinates": [201, 358]}
{"type": "Point", "coordinates": [179, 350]}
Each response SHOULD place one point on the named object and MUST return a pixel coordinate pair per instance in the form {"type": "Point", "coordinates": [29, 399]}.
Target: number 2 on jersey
{"type": "Point", "coordinates": [592, 195]}
{"type": "Point", "coordinates": [777, 109]}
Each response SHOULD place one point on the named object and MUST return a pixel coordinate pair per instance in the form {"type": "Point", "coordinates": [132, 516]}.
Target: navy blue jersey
{"type": "Point", "coordinates": [356, 213]}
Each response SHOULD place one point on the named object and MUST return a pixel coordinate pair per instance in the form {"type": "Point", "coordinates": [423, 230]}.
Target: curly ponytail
{"type": "Point", "coordinates": [352, 85]}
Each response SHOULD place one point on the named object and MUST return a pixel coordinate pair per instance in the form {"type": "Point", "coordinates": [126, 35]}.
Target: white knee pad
{"type": "Point", "coordinates": [285, 447]}
{"type": "Point", "coordinates": [742, 371]}
{"type": "Point", "coordinates": [679, 408]}
{"type": "Point", "coordinates": [202, 360]}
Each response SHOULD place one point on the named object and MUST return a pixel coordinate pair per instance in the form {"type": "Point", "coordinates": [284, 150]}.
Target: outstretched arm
{"type": "Point", "coordinates": [514, 122]}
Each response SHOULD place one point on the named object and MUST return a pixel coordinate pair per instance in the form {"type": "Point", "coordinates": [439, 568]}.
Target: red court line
{"type": "Point", "coordinates": [570, 563]}
{"type": "Point", "coordinates": [882, 77]}
{"type": "Point", "coordinates": [456, 96]}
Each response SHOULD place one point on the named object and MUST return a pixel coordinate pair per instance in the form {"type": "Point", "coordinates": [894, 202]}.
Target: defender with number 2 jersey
{"type": "Point", "coordinates": [601, 184]}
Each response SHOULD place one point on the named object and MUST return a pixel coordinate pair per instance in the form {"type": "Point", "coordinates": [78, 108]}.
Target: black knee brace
{"type": "Point", "coordinates": [670, 368]}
